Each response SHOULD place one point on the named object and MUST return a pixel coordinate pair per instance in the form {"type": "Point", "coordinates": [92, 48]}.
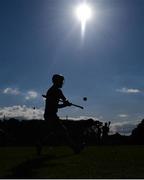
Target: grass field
{"type": "Point", "coordinates": [60, 162]}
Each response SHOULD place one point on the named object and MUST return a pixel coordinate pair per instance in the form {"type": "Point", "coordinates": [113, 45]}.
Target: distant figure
{"type": "Point", "coordinates": [99, 132]}
{"type": "Point", "coordinates": [55, 100]}
{"type": "Point", "coordinates": [105, 129]}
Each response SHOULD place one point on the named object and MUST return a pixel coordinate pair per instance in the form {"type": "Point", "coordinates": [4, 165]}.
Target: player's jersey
{"type": "Point", "coordinates": [53, 96]}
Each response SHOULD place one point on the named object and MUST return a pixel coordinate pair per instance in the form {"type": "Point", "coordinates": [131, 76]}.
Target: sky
{"type": "Point", "coordinates": [39, 38]}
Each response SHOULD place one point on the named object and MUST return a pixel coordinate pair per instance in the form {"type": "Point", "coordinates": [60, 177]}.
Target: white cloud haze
{"type": "Point", "coordinates": [31, 95]}
{"type": "Point", "coordinates": [123, 115]}
{"type": "Point", "coordinates": [21, 112]}
{"type": "Point", "coordinates": [82, 118]}
{"type": "Point", "coordinates": [124, 128]}
{"type": "Point", "coordinates": [12, 91]}
{"type": "Point", "coordinates": [128, 90]}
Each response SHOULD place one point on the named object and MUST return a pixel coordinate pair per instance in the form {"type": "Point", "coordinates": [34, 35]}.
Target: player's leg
{"type": "Point", "coordinates": [74, 144]}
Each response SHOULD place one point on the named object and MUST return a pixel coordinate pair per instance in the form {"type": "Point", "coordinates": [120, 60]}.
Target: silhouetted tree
{"type": "Point", "coordinates": [138, 133]}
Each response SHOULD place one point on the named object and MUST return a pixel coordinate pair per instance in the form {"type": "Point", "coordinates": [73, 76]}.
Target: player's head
{"type": "Point", "coordinates": [58, 80]}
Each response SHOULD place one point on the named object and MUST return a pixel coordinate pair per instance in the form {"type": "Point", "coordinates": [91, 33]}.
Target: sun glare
{"type": "Point", "coordinates": [83, 13]}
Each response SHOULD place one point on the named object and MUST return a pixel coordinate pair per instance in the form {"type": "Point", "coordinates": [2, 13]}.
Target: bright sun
{"type": "Point", "coordinates": [83, 13]}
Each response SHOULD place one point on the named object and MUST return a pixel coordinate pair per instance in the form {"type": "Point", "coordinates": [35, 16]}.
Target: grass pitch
{"type": "Point", "coordinates": [60, 162]}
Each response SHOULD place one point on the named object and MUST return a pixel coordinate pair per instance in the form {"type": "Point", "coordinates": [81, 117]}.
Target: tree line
{"type": "Point", "coordinates": [14, 132]}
